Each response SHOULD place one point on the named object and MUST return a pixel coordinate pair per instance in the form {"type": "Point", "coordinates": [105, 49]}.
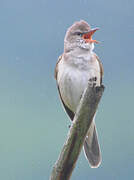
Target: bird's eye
{"type": "Point", "coordinates": [79, 33]}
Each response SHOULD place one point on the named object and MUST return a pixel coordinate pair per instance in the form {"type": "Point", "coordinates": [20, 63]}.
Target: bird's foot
{"type": "Point", "coordinates": [92, 81]}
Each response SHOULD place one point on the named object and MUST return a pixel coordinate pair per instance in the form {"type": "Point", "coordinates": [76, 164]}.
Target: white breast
{"type": "Point", "coordinates": [72, 81]}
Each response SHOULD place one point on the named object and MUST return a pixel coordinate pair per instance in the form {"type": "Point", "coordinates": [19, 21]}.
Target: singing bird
{"type": "Point", "coordinates": [77, 66]}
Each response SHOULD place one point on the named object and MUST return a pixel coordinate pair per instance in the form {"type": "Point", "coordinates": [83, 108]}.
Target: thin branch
{"type": "Point", "coordinates": [64, 166]}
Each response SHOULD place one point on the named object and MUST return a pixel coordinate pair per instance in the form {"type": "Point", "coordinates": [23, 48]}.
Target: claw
{"type": "Point", "coordinates": [92, 81]}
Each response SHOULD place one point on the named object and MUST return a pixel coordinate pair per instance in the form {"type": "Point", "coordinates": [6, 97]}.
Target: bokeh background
{"type": "Point", "coordinates": [33, 125]}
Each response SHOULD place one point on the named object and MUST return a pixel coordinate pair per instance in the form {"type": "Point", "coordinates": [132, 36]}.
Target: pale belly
{"type": "Point", "coordinates": [72, 82]}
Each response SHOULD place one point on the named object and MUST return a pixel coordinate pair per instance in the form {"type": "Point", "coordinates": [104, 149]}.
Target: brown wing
{"type": "Point", "coordinates": [56, 67]}
{"type": "Point", "coordinates": [101, 68]}
{"type": "Point", "coordinates": [68, 111]}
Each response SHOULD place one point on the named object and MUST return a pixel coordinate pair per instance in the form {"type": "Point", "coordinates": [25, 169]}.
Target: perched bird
{"type": "Point", "coordinates": [75, 68]}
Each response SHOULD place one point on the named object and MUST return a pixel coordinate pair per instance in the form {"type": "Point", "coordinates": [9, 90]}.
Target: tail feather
{"type": "Point", "coordinates": [91, 147]}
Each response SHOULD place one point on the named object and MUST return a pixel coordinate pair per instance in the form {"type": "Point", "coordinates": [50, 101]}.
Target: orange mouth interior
{"type": "Point", "coordinates": [88, 36]}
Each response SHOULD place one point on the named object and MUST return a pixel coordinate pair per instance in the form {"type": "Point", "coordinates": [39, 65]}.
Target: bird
{"type": "Point", "coordinates": [77, 66]}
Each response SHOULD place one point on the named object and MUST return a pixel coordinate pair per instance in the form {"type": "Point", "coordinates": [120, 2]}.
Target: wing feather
{"type": "Point", "coordinates": [68, 111]}
{"type": "Point", "coordinates": [101, 68]}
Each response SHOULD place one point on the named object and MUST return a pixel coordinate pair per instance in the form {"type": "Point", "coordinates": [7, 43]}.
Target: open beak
{"type": "Point", "coordinates": [87, 36]}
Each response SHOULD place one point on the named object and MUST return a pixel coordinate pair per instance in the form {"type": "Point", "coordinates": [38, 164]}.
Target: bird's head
{"type": "Point", "coordinates": [79, 35]}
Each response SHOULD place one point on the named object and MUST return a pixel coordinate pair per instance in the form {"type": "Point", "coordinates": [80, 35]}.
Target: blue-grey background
{"type": "Point", "coordinates": [33, 125]}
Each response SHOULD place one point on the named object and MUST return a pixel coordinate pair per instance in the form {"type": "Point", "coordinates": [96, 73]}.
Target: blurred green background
{"type": "Point", "coordinates": [33, 125]}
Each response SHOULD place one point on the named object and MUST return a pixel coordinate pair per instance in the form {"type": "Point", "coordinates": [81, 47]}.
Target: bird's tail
{"type": "Point", "coordinates": [91, 147]}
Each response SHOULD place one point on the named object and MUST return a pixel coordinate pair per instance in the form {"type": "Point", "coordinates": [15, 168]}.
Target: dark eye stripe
{"type": "Point", "coordinates": [79, 34]}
